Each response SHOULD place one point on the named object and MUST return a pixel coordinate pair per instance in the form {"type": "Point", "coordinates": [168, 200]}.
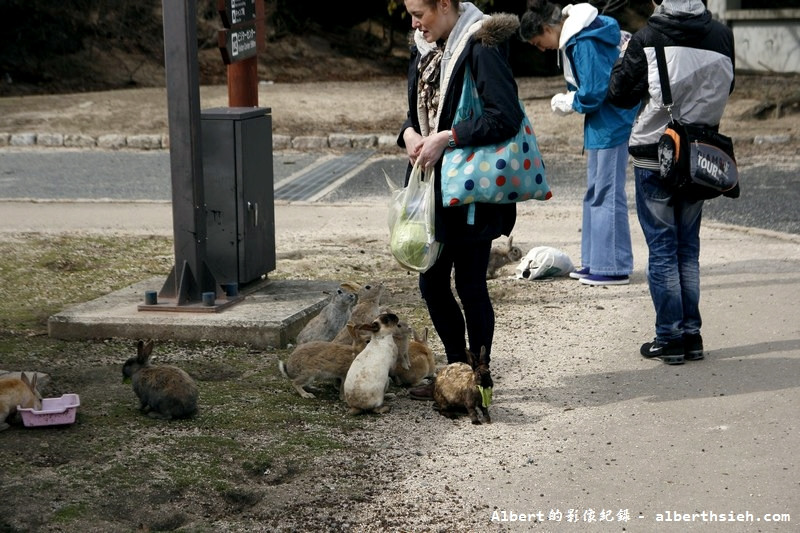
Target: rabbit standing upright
{"type": "Point", "coordinates": [421, 362]}
{"type": "Point", "coordinates": [331, 319]}
{"type": "Point", "coordinates": [502, 255]}
{"type": "Point", "coordinates": [366, 310]}
{"type": "Point", "coordinates": [368, 377]}
{"type": "Point", "coordinates": [17, 392]}
{"type": "Point", "coordinates": [164, 392]}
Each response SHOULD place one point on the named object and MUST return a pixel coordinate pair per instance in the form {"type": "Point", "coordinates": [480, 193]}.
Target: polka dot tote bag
{"type": "Point", "coordinates": [507, 172]}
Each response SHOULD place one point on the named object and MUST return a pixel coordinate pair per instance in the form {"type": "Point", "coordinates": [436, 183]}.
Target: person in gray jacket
{"type": "Point", "coordinates": [700, 60]}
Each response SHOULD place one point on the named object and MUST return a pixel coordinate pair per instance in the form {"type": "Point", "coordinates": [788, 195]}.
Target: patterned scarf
{"type": "Point", "coordinates": [428, 87]}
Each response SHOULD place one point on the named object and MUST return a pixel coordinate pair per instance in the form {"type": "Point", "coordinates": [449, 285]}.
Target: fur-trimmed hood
{"type": "Point", "coordinates": [497, 29]}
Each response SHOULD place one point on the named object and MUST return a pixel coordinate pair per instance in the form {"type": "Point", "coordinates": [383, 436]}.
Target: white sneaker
{"type": "Point", "coordinates": [597, 280]}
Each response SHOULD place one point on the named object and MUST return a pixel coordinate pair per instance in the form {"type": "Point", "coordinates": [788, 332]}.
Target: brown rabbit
{"type": "Point", "coordinates": [15, 392]}
{"type": "Point", "coordinates": [365, 311]}
{"type": "Point", "coordinates": [322, 360]}
{"type": "Point", "coordinates": [421, 362]}
{"type": "Point", "coordinates": [502, 255]}
{"type": "Point", "coordinates": [164, 392]}
{"type": "Point", "coordinates": [456, 386]}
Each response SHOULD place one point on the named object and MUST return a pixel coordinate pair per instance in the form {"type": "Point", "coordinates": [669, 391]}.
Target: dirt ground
{"type": "Point", "coordinates": [761, 105]}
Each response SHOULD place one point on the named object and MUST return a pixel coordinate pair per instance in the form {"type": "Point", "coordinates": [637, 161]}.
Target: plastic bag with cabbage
{"type": "Point", "coordinates": [411, 219]}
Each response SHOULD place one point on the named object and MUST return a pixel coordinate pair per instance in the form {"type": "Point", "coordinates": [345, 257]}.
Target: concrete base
{"type": "Point", "coordinates": [270, 315]}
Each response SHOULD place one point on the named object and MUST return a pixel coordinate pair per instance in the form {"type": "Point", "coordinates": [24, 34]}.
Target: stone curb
{"type": "Point", "coordinates": [336, 141]}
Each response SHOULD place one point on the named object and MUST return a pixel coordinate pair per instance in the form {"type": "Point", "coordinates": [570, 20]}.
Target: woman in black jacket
{"type": "Point", "coordinates": [448, 35]}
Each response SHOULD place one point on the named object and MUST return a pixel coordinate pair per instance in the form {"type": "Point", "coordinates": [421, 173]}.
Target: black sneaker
{"type": "Point", "coordinates": [693, 347]}
{"type": "Point", "coordinates": [671, 353]}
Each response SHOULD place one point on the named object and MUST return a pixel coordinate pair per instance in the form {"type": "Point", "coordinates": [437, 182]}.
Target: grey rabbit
{"type": "Point", "coordinates": [502, 255]}
{"type": "Point", "coordinates": [165, 391]}
{"type": "Point", "coordinates": [332, 319]}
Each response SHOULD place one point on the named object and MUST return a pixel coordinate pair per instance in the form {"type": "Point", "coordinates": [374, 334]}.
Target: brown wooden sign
{"type": "Point", "coordinates": [235, 12]}
{"type": "Point", "coordinates": [238, 43]}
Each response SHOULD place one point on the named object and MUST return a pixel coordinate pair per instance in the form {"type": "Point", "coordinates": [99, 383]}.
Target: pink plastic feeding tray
{"type": "Point", "coordinates": [54, 411]}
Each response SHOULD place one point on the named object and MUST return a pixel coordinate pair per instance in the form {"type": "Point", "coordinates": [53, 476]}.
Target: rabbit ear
{"type": "Point", "coordinates": [482, 359]}
{"type": "Point", "coordinates": [145, 349]}
{"type": "Point", "coordinates": [25, 379]}
{"type": "Point", "coordinates": [32, 384]}
{"type": "Point", "coordinates": [374, 327]}
{"type": "Point", "coordinates": [510, 241]}
{"type": "Point", "coordinates": [350, 286]}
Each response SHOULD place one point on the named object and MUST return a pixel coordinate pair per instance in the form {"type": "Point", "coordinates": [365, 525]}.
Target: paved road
{"type": "Point", "coordinates": [771, 192]}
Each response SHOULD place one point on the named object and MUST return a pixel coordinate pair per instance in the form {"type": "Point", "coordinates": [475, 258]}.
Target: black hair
{"type": "Point", "coordinates": [540, 13]}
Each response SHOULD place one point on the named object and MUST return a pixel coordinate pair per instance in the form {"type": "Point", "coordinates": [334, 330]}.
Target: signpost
{"type": "Point", "coordinates": [239, 42]}
{"type": "Point", "coordinates": [235, 12]}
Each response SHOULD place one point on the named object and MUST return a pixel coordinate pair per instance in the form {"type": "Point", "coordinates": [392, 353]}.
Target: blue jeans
{"type": "Point", "coordinates": [469, 261]}
{"type": "Point", "coordinates": [671, 228]}
{"type": "Point", "coordinates": [606, 235]}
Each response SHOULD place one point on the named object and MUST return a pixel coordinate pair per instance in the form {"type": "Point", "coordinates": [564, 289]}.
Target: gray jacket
{"type": "Point", "coordinates": [700, 61]}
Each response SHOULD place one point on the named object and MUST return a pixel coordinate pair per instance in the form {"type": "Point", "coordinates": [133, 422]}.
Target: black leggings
{"type": "Point", "coordinates": [469, 262]}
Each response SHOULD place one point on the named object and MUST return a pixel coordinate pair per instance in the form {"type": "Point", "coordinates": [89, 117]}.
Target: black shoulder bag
{"type": "Point", "coordinates": [697, 161]}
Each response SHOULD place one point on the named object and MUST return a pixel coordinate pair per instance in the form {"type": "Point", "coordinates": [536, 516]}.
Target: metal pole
{"type": "Point", "coordinates": [190, 277]}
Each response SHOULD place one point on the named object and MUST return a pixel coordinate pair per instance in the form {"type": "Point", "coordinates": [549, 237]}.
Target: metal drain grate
{"type": "Point", "coordinates": [309, 182]}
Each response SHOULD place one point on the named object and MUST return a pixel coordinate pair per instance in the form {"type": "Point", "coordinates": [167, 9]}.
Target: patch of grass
{"type": "Point", "coordinates": [70, 512]}
{"type": "Point", "coordinates": [43, 274]}
{"type": "Point", "coordinates": [252, 432]}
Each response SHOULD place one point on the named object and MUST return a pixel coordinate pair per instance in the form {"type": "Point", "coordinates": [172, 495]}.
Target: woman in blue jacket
{"type": "Point", "coordinates": [449, 35]}
{"type": "Point", "coordinates": [589, 45]}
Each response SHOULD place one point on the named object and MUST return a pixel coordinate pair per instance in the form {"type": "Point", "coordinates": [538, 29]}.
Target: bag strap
{"type": "Point", "coordinates": [663, 75]}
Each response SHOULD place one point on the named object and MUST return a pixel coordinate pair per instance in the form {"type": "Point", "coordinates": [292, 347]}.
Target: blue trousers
{"type": "Point", "coordinates": [468, 261]}
{"type": "Point", "coordinates": [671, 228]}
{"type": "Point", "coordinates": [605, 235]}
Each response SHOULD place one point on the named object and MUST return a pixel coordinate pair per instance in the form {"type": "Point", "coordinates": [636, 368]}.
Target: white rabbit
{"type": "Point", "coordinates": [368, 377]}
